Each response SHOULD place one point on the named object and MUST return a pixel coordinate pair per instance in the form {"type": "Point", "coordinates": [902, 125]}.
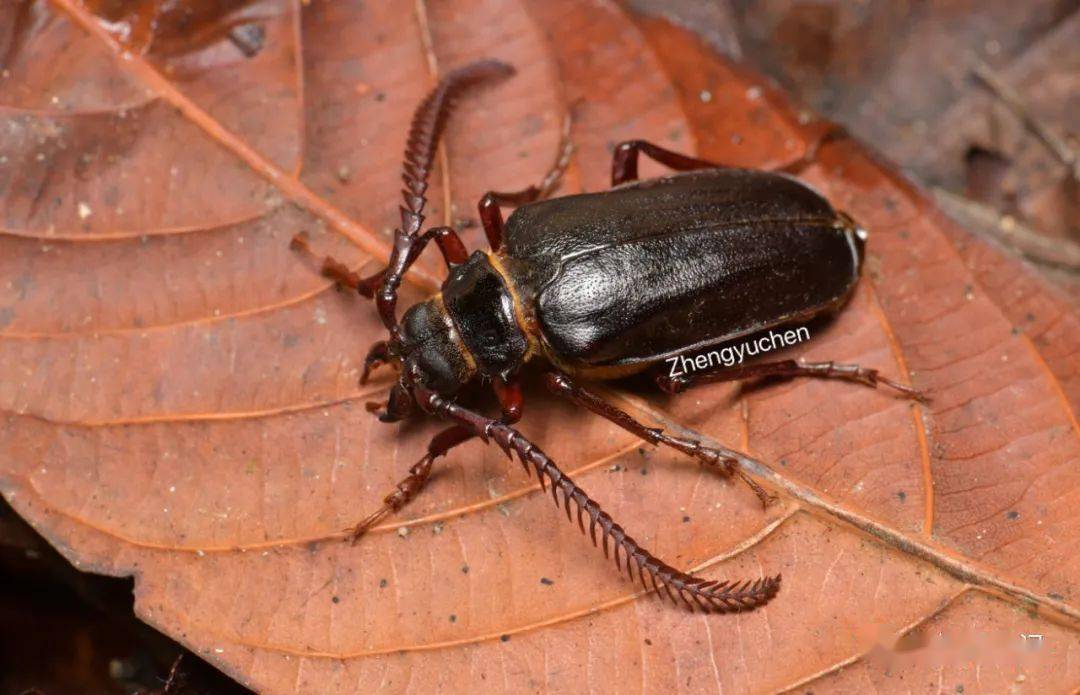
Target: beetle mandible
{"type": "Point", "coordinates": [602, 286]}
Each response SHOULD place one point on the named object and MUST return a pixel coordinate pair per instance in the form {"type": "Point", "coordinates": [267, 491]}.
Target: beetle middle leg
{"type": "Point", "coordinates": [717, 458]}
{"type": "Point", "coordinates": [490, 213]}
{"type": "Point", "coordinates": [682, 588]}
{"type": "Point", "coordinates": [787, 368]}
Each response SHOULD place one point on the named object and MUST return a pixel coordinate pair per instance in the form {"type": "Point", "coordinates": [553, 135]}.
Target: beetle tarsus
{"type": "Point", "coordinates": [378, 355]}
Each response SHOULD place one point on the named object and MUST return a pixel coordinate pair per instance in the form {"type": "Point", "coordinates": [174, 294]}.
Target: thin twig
{"type": "Point", "coordinates": [983, 219]}
{"type": "Point", "coordinates": [1057, 145]}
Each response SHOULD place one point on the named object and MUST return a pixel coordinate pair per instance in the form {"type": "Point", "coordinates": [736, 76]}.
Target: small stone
{"type": "Point", "coordinates": [335, 599]}
{"type": "Point", "coordinates": [437, 528]}
{"type": "Point", "coordinates": [464, 569]}
{"type": "Point", "coordinates": [705, 96]}
{"type": "Point", "coordinates": [403, 531]}
{"type": "Point", "coordinates": [686, 520]}
{"type": "Point", "coordinates": [453, 618]}
{"type": "Point", "coordinates": [546, 582]}
{"type": "Point", "coordinates": [383, 583]}
{"type": "Point", "coordinates": [121, 669]}
{"type": "Point", "coordinates": [84, 211]}
{"type": "Point", "coordinates": [504, 638]}
{"type": "Point", "coordinates": [344, 173]}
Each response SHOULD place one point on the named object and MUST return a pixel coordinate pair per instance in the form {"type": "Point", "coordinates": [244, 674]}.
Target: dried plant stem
{"type": "Point", "coordinates": [1057, 145]}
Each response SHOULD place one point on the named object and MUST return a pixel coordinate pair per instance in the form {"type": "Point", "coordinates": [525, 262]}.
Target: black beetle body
{"type": "Point", "coordinates": [602, 285]}
{"type": "Point", "coordinates": [607, 284]}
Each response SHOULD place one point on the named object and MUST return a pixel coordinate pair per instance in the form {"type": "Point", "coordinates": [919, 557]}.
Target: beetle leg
{"type": "Point", "coordinates": [450, 244]}
{"type": "Point", "coordinates": [716, 458]}
{"type": "Point", "coordinates": [448, 241]}
{"type": "Point", "coordinates": [788, 368]}
{"type": "Point", "coordinates": [406, 490]}
{"type": "Point", "coordinates": [624, 163]}
{"type": "Point", "coordinates": [336, 270]}
{"type": "Point", "coordinates": [682, 588]}
{"type": "Point", "coordinates": [491, 215]}
{"type": "Point", "coordinates": [511, 401]}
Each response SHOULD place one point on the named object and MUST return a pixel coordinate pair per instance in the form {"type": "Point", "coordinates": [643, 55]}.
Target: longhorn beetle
{"type": "Point", "coordinates": [601, 286]}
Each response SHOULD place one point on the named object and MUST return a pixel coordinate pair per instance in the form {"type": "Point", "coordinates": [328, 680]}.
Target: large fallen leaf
{"type": "Point", "coordinates": [180, 395]}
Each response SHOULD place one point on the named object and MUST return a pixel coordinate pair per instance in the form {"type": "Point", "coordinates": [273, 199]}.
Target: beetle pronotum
{"type": "Point", "coordinates": [601, 286]}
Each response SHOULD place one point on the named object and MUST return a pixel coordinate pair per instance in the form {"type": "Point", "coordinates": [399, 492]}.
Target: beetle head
{"type": "Point", "coordinates": [430, 350]}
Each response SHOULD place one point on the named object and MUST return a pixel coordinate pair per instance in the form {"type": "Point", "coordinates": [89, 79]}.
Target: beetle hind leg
{"type": "Point", "coordinates": [624, 162]}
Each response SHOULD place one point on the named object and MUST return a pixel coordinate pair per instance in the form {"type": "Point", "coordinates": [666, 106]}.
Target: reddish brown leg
{"type": "Point", "coordinates": [624, 163]}
{"type": "Point", "coordinates": [491, 215]}
{"type": "Point", "coordinates": [336, 270]}
{"type": "Point", "coordinates": [786, 368]}
{"type": "Point", "coordinates": [717, 458]}
{"type": "Point", "coordinates": [511, 402]}
{"type": "Point", "coordinates": [449, 243]}
{"type": "Point", "coordinates": [693, 592]}
{"type": "Point", "coordinates": [418, 476]}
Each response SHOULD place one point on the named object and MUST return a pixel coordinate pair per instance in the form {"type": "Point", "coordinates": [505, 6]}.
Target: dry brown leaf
{"type": "Point", "coordinates": [180, 402]}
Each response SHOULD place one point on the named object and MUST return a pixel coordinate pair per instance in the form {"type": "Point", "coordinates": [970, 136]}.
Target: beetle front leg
{"type": "Point", "coordinates": [512, 403]}
{"type": "Point", "coordinates": [787, 368]}
{"type": "Point", "coordinates": [406, 490]}
{"type": "Point", "coordinates": [490, 213]}
{"type": "Point", "coordinates": [624, 162]}
{"type": "Point", "coordinates": [449, 243]}
{"type": "Point", "coordinates": [716, 458]}
{"type": "Point", "coordinates": [337, 271]}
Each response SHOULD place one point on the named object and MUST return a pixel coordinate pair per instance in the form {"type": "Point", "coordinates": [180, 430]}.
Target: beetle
{"type": "Point", "coordinates": [602, 286]}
